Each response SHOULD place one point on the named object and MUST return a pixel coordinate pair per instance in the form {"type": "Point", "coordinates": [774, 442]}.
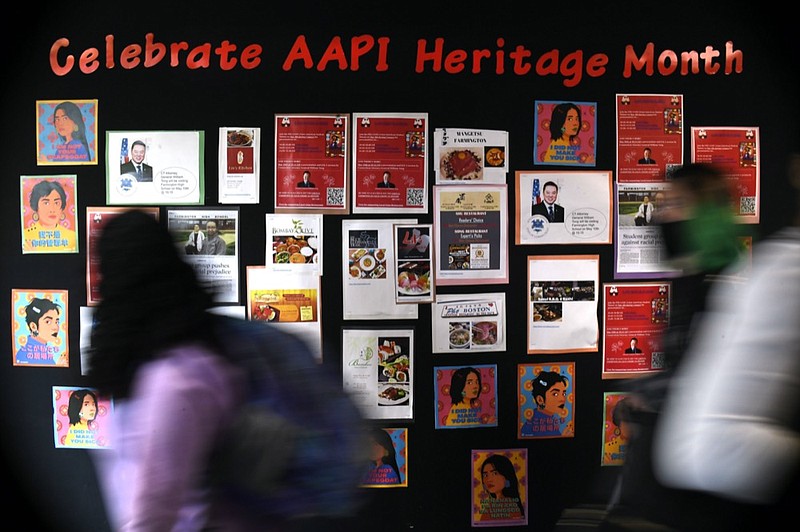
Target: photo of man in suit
{"type": "Point", "coordinates": [633, 348]}
{"type": "Point", "coordinates": [306, 182]}
{"type": "Point", "coordinates": [386, 183]}
{"type": "Point", "coordinates": [646, 159]}
{"type": "Point", "coordinates": [548, 207]}
{"type": "Point", "coordinates": [142, 171]}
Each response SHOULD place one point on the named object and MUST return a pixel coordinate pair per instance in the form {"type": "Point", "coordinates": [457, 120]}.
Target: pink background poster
{"type": "Point", "coordinates": [475, 387]}
{"type": "Point", "coordinates": [566, 133]}
{"type": "Point", "coordinates": [81, 418]}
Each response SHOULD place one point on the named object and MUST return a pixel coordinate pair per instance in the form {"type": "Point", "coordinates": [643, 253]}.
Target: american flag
{"type": "Point", "coordinates": [123, 152]}
{"type": "Point", "coordinates": [536, 199]}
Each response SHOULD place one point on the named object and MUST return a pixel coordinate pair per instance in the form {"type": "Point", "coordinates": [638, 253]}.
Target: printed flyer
{"type": "Point", "coordinates": [469, 323]}
{"type": "Point", "coordinates": [239, 164]}
{"type": "Point", "coordinates": [616, 429]}
{"type": "Point", "coordinates": [388, 458]}
{"type": "Point", "coordinates": [414, 252]}
{"type": "Point", "coordinates": [565, 133]}
{"type": "Point", "coordinates": [499, 487]}
{"type": "Point", "coordinates": [470, 155]}
{"type": "Point", "coordinates": [466, 396]}
{"type": "Point", "coordinates": [66, 132]}
{"type": "Point", "coordinates": [49, 208]}
{"type": "Point", "coordinates": [81, 418]}
{"type": "Point", "coordinates": [546, 400]}
{"type": "Point", "coordinates": [294, 242]}
{"type": "Point", "coordinates": [40, 328]}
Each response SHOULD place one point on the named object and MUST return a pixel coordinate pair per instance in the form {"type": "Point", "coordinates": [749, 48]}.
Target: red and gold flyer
{"type": "Point", "coordinates": [49, 208]}
{"type": "Point", "coordinates": [636, 315]}
{"type": "Point", "coordinates": [499, 487]}
{"type": "Point", "coordinates": [736, 151]}
{"type": "Point", "coordinates": [615, 428]}
{"type": "Point", "coordinates": [311, 163]}
{"type": "Point", "coordinates": [81, 418]}
{"type": "Point", "coordinates": [649, 136]}
{"type": "Point", "coordinates": [390, 163]}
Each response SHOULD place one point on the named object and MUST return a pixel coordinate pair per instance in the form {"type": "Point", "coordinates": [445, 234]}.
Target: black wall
{"type": "Point", "coordinates": [58, 484]}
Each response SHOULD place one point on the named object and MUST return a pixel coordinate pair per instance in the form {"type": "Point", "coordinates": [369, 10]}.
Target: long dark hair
{"type": "Point", "coordinates": [74, 114]}
{"type": "Point", "coordinates": [383, 439]}
{"type": "Point", "coordinates": [150, 299]}
{"type": "Point", "coordinates": [505, 467]}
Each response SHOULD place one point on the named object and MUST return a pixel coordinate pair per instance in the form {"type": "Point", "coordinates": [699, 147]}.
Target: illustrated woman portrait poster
{"type": "Point", "coordinates": [499, 487]}
{"type": "Point", "coordinates": [66, 132]}
{"type": "Point", "coordinates": [48, 207]}
{"type": "Point", "coordinates": [81, 418]}
{"type": "Point", "coordinates": [546, 400]}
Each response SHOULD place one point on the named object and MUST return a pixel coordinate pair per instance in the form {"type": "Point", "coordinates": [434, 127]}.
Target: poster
{"type": "Point", "coordinates": [546, 395]}
{"type": "Point", "coordinates": [616, 429]}
{"type": "Point", "coordinates": [208, 237]}
{"type": "Point", "coordinates": [390, 163]}
{"type": "Point", "coordinates": [378, 371]}
{"type": "Point", "coordinates": [566, 133]}
{"type": "Point", "coordinates": [312, 163]}
{"type": "Point", "coordinates": [81, 418]}
{"type": "Point", "coordinates": [48, 207]}
{"type": "Point", "coordinates": [649, 136]}
{"type": "Point", "coordinates": [155, 167]}
{"type": "Point", "coordinates": [294, 242]}
{"type": "Point", "coordinates": [636, 315]}
{"type": "Point", "coordinates": [470, 155]}
{"type": "Point", "coordinates": [388, 458]}
{"type": "Point", "coordinates": [564, 207]}
{"type": "Point", "coordinates": [239, 164]}
{"type": "Point", "coordinates": [562, 309]}
{"type": "Point", "coordinates": [40, 327]}
{"type": "Point", "coordinates": [414, 255]}
{"type": "Point", "coordinates": [466, 396]}
{"type": "Point", "coordinates": [499, 487]}
{"type": "Point", "coordinates": [469, 323]}
{"type": "Point", "coordinates": [471, 234]}
{"type": "Point", "coordinates": [66, 132]}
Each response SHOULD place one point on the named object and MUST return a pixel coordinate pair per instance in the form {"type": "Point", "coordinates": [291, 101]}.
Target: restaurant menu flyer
{"type": "Point", "coordinates": [466, 396]}
{"type": "Point", "coordinates": [499, 492]}
{"type": "Point", "coordinates": [615, 429]}
{"type": "Point", "coordinates": [735, 150]}
{"type": "Point", "coordinates": [470, 155]}
{"type": "Point", "coordinates": [388, 459]}
{"type": "Point", "coordinates": [469, 323]}
{"type": "Point", "coordinates": [471, 234]}
{"type": "Point", "coordinates": [390, 163]}
{"type": "Point", "coordinates": [239, 164]}
{"type": "Point", "coordinates": [649, 136]}
{"type": "Point", "coordinates": [414, 255]}
{"type": "Point", "coordinates": [562, 309]}
{"type": "Point", "coordinates": [636, 314]}
{"type": "Point", "coordinates": [311, 163]}
{"type": "Point", "coordinates": [546, 398]}
{"type": "Point", "coordinates": [291, 300]}
{"type": "Point", "coordinates": [81, 418]}
{"type": "Point", "coordinates": [378, 371]}
{"type": "Point", "coordinates": [294, 242]}
{"type": "Point", "coordinates": [369, 271]}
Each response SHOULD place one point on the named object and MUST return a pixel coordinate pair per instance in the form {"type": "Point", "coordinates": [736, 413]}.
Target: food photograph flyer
{"type": "Point", "coordinates": [239, 164]}
{"type": "Point", "coordinates": [378, 371]}
{"type": "Point", "coordinates": [564, 207]}
{"type": "Point", "coordinates": [470, 155]}
{"type": "Point", "coordinates": [562, 309]}
{"type": "Point", "coordinates": [81, 418]}
{"type": "Point", "coordinates": [40, 328]}
{"type": "Point", "coordinates": [155, 167]}
{"type": "Point", "coordinates": [615, 428]}
{"type": "Point", "coordinates": [735, 150]}
{"type": "Point", "coordinates": [388, 458]}
{"type": "Point", "coordinates": [49, 206]}
{"type": "Point", "coordinates": [565, 133]}
{"type": "Point", "coordinates": [499, 487]}
{"type": "Point", "coordinates": [649, 136]}
{"type": "Point", "coordinates": [66, 132]}
{"type": "Point", "coordinates": [294, 242]}
{"type": "Point", "coordinates": [292, 300]}
{"type": "Point", "coordinates": [466, 396]}
{"type": "Point", "coordinates": [369, 271]}
{"type": "Point", "coordinates": [312, 163]}
{"type": "Point", "coordinates": [208, 237]}
{"type": "Point", "coordinates": [469, 323]}
{"type": "Point", "coordinates": [546, 395]}
{"type": "Point", "coordinates": [471, 234]}
{"type": "Point", "coordinates": [390, 163]}
{"type": "Point", "coordinates": [414, 256]}
{"type": "Point", "coordinates": [636, 316]}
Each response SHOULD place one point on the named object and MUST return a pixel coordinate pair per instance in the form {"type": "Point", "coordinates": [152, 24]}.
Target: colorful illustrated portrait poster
{"type": "Point", "coordinates": [414, 255]}
{"type": "Point", "coordinates": [294, 242]}
{"type": "Point", "coordinates": [499, 487]}
{"type": "Point", "coordinates": [40, 327]}
{"type": "Point", "coordinates": [466, 396]}
{"type": "Point", "coordinates": [388, 458]}
{"type": "Point", "coordinates": [546, 400]}
{"type": "Point", "coordinates": [81, 418]}
{"type": "Point", "coordinates": [239, 164]}
{"type": "Point", "coordinates": [636, 317]}
{"type": "Point", "coordinates": [470, 155]}
{"type": "Point", "coordinates": [565, 133]}
{"type": "Point", "coordinates": [615, 428]}
{"type": "Point", "coordinates": [49, 208]}
{"type": "Point", "coordinates": [311, 163]}
{"type": "Point", "coordinates": [464, 323]}
{"type": "Point", "coordinates": [66, 132]}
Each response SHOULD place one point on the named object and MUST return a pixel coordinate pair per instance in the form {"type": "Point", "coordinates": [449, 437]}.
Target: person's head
{"type": "Point", "coordinates": [138, 150]}
{"type": "Point", "coordinates": [549, 391]}
{"type": "Point", "coordinates": [211, 228]}
{"type": "Point", "coordinates": [82, 406]}
{"type": "Point", "coordinates": [382, 449]}
{"type": "Point", "coordinates": [634, 342]}
{"type": "Point", "coordinates": [621, 418]}
{"type": "Point", "coordinates": [646, 199]}
{"type": "Point", "coordinates": [48, 199]}
{"type": "Point", "coordinates": [550, 192]}
{"type": "Point", "coordinates": [387, 176]}
{"type": "Point", "coordinates": [306, 175]}
{"type": "Point", "coordinates": [43, 318]}
{"type": "Point", "coordinates": [68, 121]}
{"type": "Point", "coordinates": [565, 122]}
{"type": "Point", "coordinates": [196, 228]}
{"type": "Point", "coordinates": [150, 299]}
{"type": "Point", "coordinates": [499, 477]}
{"type": "Point", "coordinates": [465, 385]}
{"type": "Point", "coordinates": [646, 153]}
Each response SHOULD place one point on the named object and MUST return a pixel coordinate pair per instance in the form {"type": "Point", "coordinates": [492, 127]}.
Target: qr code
{"type": "Point", "coordinates": [657, 360]}
{"type": "Point", "coordinates": [414, 196]}
{"type": "Point", "coordinates": [747, 205]}
{"type": "Point", "coordinates": [335, 196]}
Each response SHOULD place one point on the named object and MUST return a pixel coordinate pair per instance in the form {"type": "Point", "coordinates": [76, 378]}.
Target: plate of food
{"type": "Point", "coordinates": [461, 165]}
{"type": "Point", "coordinates": [459, 338]}
{"type": "Point", "coordinates": [411, 284]}
{"type": "Point", "coordinates": [484, 333]}
{"type": "Point", "coordinates": [240, 137]}
{"type": "Point", "coordinates": [367, 263]}
{"type": "Point", "coordinates": [392, 394]}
